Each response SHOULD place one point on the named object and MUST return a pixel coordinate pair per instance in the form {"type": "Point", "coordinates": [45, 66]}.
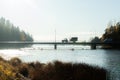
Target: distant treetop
{"type": "Point", "coordinates": [112, 32]}
{"type": "Point", "coordinates": [9, 32]}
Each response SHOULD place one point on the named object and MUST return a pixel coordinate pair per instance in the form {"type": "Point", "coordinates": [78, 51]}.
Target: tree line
{"type": "Point", "coordinates": [111, 35]}
{"type": "Point", "coordinates": [9, 32]}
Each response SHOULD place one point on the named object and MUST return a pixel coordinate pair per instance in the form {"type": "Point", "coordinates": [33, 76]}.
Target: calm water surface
{"type": "Point", "coordinates": [109, 59]}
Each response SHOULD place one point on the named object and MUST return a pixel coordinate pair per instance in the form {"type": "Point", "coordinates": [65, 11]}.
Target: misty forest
{"type": "Point", "coordinates": [9, 32]}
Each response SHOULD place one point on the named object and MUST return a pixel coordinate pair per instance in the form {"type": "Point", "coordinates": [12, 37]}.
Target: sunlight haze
{"type": "Point", "coordinates": [81, 18]}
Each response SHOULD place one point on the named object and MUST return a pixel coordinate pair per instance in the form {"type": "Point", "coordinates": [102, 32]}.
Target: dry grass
{"type": "Point", "coordinates": [57, 70]}
{"type": "Point", "coordinates": [65, 71]}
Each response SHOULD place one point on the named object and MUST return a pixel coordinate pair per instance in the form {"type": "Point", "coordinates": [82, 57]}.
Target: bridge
{"type": "Point", "coordinates": [93, 45]}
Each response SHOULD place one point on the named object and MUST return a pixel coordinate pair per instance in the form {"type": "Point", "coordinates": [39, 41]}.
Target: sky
{"type": "Point", "coordinates": [68, 18]}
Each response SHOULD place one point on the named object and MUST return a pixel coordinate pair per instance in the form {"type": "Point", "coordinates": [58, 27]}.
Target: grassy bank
{"type": "Point", "coordinates": [15, 69]}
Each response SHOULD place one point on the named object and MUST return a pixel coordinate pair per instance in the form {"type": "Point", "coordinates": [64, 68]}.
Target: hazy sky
{"type": "Point", "coordinates": [81, 18]}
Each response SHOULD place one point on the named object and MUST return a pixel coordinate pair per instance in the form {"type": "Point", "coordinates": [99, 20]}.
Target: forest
{"type": "Point", "coordinates": [112, 33]}
{"type": "Point", "coordinates": [9, 32]}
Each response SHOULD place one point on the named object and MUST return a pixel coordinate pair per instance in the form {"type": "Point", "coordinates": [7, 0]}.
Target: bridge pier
{"type": "Point", "coordinates": [93, 46]}
{"type": "Point", "coordinates": [55, 46]}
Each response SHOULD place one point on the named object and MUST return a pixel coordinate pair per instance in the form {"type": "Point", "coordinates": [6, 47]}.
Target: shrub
{"type": "Point", "coordinates": [15, 61]}
{"type": "Point", "coordinates": [68, 71]}
{"type": "Point", "coordinates": [23, 69]}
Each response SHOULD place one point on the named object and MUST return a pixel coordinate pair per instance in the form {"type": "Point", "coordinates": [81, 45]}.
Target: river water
{"type": "Point", "coordinates": [109, 59]}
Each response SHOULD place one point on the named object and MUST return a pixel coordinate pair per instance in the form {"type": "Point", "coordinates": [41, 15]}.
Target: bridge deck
{"type": "Point", "coordinates": [53, 43]}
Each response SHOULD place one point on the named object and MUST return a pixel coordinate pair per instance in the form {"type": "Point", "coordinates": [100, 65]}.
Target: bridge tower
{"type": "Point", "coordinates": [55, 46]}
{"type": "Point", "coordinates": [93, 46]}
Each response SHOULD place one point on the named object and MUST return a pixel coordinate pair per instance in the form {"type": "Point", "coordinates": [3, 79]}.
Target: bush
{"type": "Point", "coordinates": [23, 69]}
{"type": "Point", "coordinates": [68, 71]}
{"type": "Point", "coordinates": [15, 61]}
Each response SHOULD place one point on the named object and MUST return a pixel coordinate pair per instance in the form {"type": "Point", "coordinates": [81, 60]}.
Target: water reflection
{"type": "Point", "coordinates": [113, 63]}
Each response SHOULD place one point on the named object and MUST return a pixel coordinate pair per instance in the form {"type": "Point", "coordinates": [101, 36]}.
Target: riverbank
{"type": "Point", "coordinates": [15, 69]}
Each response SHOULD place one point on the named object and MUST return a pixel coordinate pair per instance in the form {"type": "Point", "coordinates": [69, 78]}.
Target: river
{"type": "Point", "coordinates": [108, 59]}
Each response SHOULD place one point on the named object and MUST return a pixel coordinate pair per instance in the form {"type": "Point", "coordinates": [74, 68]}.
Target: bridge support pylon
{"type": "Point", "coordinates": [93, 46]}
{"type": "Point", "coordinates": [55, 46]}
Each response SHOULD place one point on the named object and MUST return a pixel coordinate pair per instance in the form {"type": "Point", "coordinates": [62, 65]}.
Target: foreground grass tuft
{"type": "Point", "coordinates": [15, 69]}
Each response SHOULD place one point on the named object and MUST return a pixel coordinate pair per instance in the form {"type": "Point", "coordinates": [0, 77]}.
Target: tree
{"type": "Point", "coordinates": [112, 34]}
{"type": "Point", "coordinates": [95, 40]}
